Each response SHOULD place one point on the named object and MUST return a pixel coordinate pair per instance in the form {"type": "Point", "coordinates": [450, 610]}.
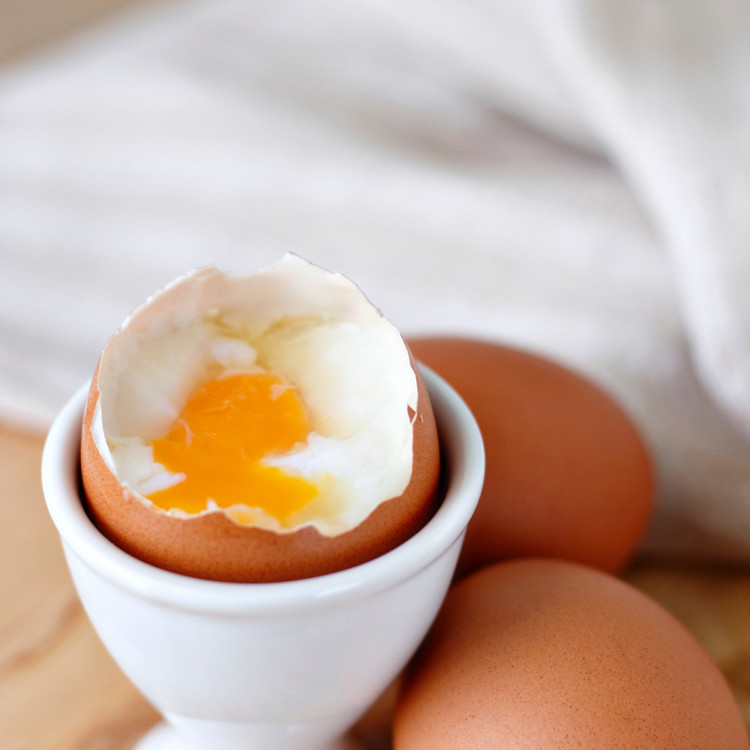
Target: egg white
{"type": "Point", "coordinates": [315, 329]}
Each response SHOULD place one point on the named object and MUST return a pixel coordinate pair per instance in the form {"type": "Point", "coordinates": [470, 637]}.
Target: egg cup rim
{"type": "Point", "coordinates": [63, 492]}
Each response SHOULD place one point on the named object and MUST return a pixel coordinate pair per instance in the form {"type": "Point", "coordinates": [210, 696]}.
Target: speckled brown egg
{"type": "Point", "coordinates": [568, 472]}
{"type": "Point", "coordinates": [539, 653]}
{"type": "Point", "coordinates": [255, 428]}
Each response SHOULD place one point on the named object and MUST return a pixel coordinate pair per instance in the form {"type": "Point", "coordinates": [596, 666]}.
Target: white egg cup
{"type": "Point", "coordinates": [275, 666]}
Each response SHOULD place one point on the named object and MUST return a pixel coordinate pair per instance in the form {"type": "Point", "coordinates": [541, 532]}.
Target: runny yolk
{"type": "Point", "coordinates": [224, 431]}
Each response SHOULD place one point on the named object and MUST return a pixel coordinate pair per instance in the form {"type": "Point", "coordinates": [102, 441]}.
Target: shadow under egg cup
{"type": "Point", "coordinates": [273, 666]}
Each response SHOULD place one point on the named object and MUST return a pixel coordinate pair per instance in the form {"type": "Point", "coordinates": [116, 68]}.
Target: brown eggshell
{"type": "Point", "coordinates": [215, 547]}
{"type": "Point", "coordinates": [548, 654]}
{"type": "Point", "coordinates": [568, 474]}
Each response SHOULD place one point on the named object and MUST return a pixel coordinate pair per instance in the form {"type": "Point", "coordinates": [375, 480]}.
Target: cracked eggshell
{"type": "Point", "coordinates": [211, 544]}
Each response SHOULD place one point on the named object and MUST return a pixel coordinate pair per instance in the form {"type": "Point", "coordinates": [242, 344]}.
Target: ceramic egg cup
{"type": "Point", "coordinates": [279, 666]}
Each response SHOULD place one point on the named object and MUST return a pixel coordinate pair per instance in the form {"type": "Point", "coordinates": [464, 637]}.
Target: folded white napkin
{"type": "Point", "coordinates": [570, 176]}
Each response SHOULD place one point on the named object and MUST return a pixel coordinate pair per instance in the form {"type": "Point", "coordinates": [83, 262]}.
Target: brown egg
{"type": "Point", "coordinates": [568, 474]}
{"type": "Point", "coordinates": [540, 653]}
{"type": "Point", "coordinates": [258, 428]}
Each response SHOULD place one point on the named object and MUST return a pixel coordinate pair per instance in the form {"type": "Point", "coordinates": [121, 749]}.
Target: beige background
{"type": "Point", "coordinates": [29, 25]}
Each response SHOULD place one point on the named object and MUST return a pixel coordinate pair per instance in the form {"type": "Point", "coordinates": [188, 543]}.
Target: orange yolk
{"type": "Point", "coordinates": [219, 440]}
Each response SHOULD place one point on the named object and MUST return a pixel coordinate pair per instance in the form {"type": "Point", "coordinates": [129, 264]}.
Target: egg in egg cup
{"type": "Point", "coordinates": [287, 665]}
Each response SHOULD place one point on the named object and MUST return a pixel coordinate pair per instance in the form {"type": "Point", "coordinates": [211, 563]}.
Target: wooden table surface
{"type": "Point", "coordinates": [59, 689]}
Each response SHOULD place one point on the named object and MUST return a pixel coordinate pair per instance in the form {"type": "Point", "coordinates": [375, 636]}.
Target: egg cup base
{"type": "Point", "coordinates": [163, 736]}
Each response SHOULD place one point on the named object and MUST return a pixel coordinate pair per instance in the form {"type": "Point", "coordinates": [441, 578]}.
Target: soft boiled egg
{"type": "Point", "coordinates": [260, 427]}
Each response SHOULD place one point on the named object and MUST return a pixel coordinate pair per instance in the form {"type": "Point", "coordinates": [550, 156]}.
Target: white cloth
{"type": "Point", "coordinates": [572, 176]}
